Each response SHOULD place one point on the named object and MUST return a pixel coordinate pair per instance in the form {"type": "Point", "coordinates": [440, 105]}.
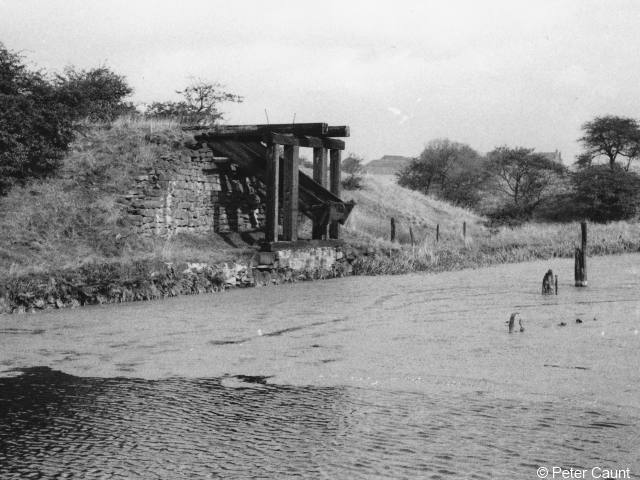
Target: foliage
{"type": "Point", "coordinates": [523, 176]}
{"type": "Point", "coordinates": [451, 170]}
{"type": "Point", "coordinates": [353, 167]}
{"type": "Point", "coordinates": [605, 194]}
{"type": "Point", "coordinates": [612, 137]}
{"type": "Point", "coordinates": [35, 127]}
{"type": "Point", "coordinates": [96, 94]}
{"type": "Point", "coordinates": [199, 105]}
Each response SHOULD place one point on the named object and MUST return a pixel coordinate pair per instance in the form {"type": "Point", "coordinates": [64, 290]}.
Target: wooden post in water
{"type": "Point", "coordinates": [393, 229]}
{"type": "Point", "coordinates": [411, 235]}
{"type": "Point", "coordinates": [437, 232]}
{"type": "Point", "coordinates": [464, 229]}
{"type": "Point", "coordinates": [580, 269]}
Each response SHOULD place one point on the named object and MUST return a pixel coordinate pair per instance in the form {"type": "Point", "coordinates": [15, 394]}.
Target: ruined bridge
{"type": "Point", "coordinates": [271, 153]}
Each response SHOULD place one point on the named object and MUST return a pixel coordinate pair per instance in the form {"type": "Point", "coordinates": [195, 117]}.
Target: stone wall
{"type": "Point", "coordinates": [193, 191]}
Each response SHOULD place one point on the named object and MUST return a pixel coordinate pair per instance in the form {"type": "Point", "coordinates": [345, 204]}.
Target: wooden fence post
{"type": "Point", "coordinates": [437, 232]}
{"type": "Point", "coordinates": [580, 267]}
{"type": "Point", "coordinates": [411, 235]}
{"type": "Point", "coordinates": [393, 229]}
{"type": "Point", "coordinates": [464, 229]}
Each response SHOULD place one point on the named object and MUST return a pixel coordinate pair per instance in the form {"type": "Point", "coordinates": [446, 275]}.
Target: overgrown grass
{"type": "Point", "coordinates": [506, 245]}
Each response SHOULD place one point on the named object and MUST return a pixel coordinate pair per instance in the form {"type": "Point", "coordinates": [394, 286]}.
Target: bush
{"type": "Point", "coordinates": [35, 127]}
{"type": "Point", "coordinates": [352, 165]}
{"type": "Point", "coordinates": [96, 94]}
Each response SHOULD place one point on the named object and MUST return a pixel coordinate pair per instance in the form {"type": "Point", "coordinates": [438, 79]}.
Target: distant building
{"type": "Point", "coordinates": [555, 156]}
{"type": "Point", "coordinates": [387, 165]}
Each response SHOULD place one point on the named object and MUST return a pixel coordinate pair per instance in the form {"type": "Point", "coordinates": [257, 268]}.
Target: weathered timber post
{"type": "Point", "coordinates": [411, 235]}
{"type": "Point", "coordinates": [580, 269]}
{"type": "Point", "coordinates": [334, 187]}
{"type": "Point", "coordinates": [273, 176]}
{"type": "Point", "coordinates": [437, 232]}
{"type": "Point", "coordinates": [556, 284]}
{"type": "Point", "coordinates": [290, 193]}
{"type": "Point", "coordinates": [319, 231]}
{"type": "Point", "coordinates": [464, 229]}
{"type": "Point", "coordinates": [393, 229]}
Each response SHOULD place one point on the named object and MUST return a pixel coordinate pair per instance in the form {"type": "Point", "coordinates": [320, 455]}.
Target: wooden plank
{"type": "Point", "coordinates": [315, 129]}
{"type": "Point", "coordinates": [306, 141]}
{"type": "Point", "coordinates": [334, 187]}
{"type": "Point", "coordinates": [272, 159]}
{"type": "Point", "coordinates": [319, 230]}
{"type": "Point", "coordinates": [290, 182]}
{"type": "Point", "coordinates": [338, 131]}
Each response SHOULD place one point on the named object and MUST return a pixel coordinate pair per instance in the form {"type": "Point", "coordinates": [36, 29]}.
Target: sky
{"type": "Point", "coordinates": [399, 73]}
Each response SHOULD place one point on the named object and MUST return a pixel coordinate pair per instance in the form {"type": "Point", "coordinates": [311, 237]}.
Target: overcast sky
{"type": "Point", "coordinates": [399, 73]}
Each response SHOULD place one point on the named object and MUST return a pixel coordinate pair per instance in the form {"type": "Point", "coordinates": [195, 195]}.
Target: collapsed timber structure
{"type": "Point", "coordinates": [271, 153]}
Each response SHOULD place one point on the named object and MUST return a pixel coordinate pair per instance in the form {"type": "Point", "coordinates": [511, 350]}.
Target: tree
{"type": "Point", "coordinates": [97, 94]}
{"type": "Point", "coordinates": [605, 194]}
{"type": "Point", "coordinates": [612, 137]}
{"type": "Point", "coordinates": [35, 126]}
{"type": "Point", "coordinates": [353, 166]}
{"type": "Point", "coordinates": [200, 103]}
{"type": "Point", "coordinates": [453, 171]}
{"type": "Point", "coordinates": [523, 176]}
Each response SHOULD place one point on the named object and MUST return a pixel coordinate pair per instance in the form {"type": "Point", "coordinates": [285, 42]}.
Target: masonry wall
{"type": "Point", "coordinates": [192, 191]}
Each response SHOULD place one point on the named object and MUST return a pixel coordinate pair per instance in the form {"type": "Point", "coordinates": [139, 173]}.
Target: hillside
{"type": "Point", "coordinates": [387, 165]}
{"type": "Point", "coordinates": [77, 218]}
{"type": "Point", "coordinates": [381, 198]}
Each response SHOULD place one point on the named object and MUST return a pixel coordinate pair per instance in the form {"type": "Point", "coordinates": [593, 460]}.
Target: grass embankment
{"type": "Point", "coordinates": [67, 241]}
{"type": "Point", "coordinates": [381, 199]}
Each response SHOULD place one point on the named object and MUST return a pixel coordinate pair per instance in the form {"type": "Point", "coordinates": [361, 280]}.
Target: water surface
{"type": "Point", "coordinates": [411, 376]}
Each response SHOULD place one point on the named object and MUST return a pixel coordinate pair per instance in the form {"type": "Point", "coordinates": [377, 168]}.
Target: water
{"type": "Point", "coordinates": [412, 376]}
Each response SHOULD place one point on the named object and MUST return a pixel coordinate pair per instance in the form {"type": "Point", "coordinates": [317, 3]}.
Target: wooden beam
{"type": "Point", "coordinates": [290, 185]}
{"type": "Point", "coordinates": [273, 174]}
{"type": "Point", "coordinates": [338, 131]}
{"type": "Point", "coordinates": [315, 129]}
{"type": "Point", "coordinates": [319, 230]}
{"type": "Point", "coordinates": [306, 141]}
{"type": "Point", "coordinates": [334, 187]}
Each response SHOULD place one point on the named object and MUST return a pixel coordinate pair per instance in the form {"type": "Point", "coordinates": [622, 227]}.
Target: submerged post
{"type": "Point", "coordinates": [580, 267]}
{"type": "Point", "coordinates": [393, 229]}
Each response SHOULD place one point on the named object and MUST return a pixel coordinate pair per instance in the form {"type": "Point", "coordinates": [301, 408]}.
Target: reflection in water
{"type": "Point", "coordinates": [55, 425]}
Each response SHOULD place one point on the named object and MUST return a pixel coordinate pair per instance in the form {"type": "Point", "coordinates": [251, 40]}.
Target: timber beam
{"type": "Point", "coordinates": [306, 141]}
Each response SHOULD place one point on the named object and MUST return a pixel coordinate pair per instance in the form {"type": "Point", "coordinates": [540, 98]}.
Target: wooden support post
{"type": "Point", "coordinates": [464, 229]}
{"type": "Point", "coordinates": [290, 193]}
{"type": "Point", "coordinates": [580, 268]}
{"type": "Point", "coordinates": [319, 231]}
{"type": "Point", "coordinates": [393, 229]}
{"type": "Point", "coordinates": [273, 175]}
{"type": "Point", "coordinates": [334, 187]}
{"type": "Point", "coordinates": [437, 232]}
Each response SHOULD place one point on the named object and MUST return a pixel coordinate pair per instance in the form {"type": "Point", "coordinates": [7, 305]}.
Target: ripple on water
{"type": "Point", "coordinates": [53, 424]}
